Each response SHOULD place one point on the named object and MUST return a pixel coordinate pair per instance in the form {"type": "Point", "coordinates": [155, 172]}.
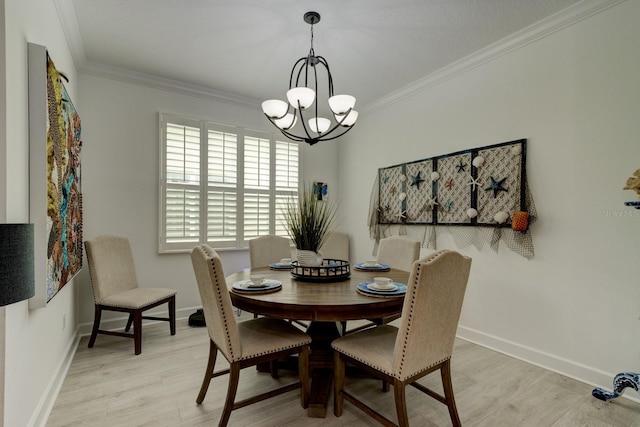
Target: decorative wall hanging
{"type": "Point", "coordinates": [633, 183]}
{"type": "Point", "coordinates": [55, 199]}
{"type": "Point", "coordinates": [483, 186]}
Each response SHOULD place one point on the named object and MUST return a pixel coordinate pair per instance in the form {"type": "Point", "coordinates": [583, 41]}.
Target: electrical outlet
{"type": "Point", "coordinates": [64, 321]}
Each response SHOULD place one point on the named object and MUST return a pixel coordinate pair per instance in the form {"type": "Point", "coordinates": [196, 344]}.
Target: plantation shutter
{"type": "Point", "coordinates": [287, 161]}
{"type": "Point", "coordinates": [257, 182]}
{"type": "Point", "coordinates": [222, 185]}
{"type": "Point", "coordinates": [182, 190]}
{"type": "Point", "coordinates": [222, 172]}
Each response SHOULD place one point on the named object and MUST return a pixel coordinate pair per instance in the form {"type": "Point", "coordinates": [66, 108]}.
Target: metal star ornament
{"type": "Point", "coordinates": [416, 180]}
{"type": "Point", "coordinates": [496, 186]}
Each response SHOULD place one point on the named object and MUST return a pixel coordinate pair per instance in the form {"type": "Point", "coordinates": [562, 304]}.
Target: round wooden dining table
{"type": "Point", "coordinates": [322, 304]}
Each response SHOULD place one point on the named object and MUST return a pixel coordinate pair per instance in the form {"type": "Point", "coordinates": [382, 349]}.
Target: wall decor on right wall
{"type": "Point", "coordinates": [478, 187]}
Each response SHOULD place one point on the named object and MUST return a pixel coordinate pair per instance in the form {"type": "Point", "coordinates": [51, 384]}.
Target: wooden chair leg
{"type": "Point", "coordinates": [172, 315]}
{"type": "Point", "coordinates": [137, 331]}
{"type": "Point", "coordinates": [445, 373]}
{"type": "Point", "coordinates": [129, 322]}
{"type": "Point", "coordinates": [234, 377]}
{"type": "Point", "coordinates": [401, 403]}
{"type": "Point", "coordinates": [96, 325]}
{"type": "Point", "coordinates": [303, 374]}
{"type": "Point", "coordinates": [208, 374]}
{"type": "Point", "coordinates": [338, 384]}
{"type": "Point", "coordinates": [273, 369]}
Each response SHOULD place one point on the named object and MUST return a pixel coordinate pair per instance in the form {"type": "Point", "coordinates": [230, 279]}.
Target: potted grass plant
{"type": "Point", "coordinates": [309, 223]}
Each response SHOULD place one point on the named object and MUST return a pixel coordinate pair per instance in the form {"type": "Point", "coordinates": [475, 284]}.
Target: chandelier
{"type": "Point", "coordinates": [301, 95]}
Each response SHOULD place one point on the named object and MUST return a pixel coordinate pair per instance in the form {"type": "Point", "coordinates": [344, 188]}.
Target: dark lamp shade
{"type": "Point", "coordinates": [16, 263]}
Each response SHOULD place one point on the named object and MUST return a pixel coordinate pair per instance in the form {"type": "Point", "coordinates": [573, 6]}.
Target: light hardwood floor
{"type": "Point", "coordinates": [110, 386]}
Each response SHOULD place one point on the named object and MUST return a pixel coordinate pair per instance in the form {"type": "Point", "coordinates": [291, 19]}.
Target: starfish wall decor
{"type": "Point", "coordinates": [496, 186]}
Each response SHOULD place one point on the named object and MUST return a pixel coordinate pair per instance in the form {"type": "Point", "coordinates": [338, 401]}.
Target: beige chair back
{"type": "Point", "coordinates": [431, 312]}
{"type": "Point", "coordinates": [399, 252]}
{"type": "Point", "coordinates": [265, 250]}
{"type": "Point", "coordinates": [111, 266]}
{"type": "Point", "coordinates": [216, 303]}
{"type": "Point", "coordinates": [336, 246]}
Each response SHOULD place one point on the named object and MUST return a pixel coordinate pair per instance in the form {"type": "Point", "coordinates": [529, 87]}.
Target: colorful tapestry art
{"type": "Point", "coordinates": [64, 198]}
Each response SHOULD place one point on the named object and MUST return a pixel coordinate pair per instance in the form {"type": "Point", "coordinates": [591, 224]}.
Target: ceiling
{"type": "Point", "coordinates": [247, 47]}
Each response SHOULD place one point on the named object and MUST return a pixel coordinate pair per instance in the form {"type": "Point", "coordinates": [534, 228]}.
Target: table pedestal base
{"type": "Point", "coordinates": [321, 366]}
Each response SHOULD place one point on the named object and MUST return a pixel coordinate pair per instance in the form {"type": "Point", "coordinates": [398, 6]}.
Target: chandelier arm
{"type": "Point", "coordinates": [330, 77]}
{"type": "Point", "coordinates": [293, 70]}
{"type": "Point", "coordinates": [315, 81]}
{"type": "Point", "coordinates": [284, 132]}
{"type": "Point", "coordinates": [333, 137]}
{"type": "Point", "coordinates": [302, 120]}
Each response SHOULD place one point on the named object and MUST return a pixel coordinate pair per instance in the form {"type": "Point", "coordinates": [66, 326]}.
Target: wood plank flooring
{"type": "Point", "coordinates": [110, 386]}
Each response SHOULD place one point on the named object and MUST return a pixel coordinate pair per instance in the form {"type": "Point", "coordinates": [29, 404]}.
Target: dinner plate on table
{"type": "Point", "coordinates": [249, 286]}
{"type": "Point", "coordinates": [367, 267]}
{"type": "Point", "coordinates": [279, 266]}
{"type": "Point", "coordinates": [371, 288]}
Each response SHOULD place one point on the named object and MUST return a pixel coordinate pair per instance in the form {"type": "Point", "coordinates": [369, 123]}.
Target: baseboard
{"type": "Point", "coordinates": [119, 322]}
{"type": "Point", "coordinates": [48, 399]}
{"type": "Point", "coordinates": [560, 365]}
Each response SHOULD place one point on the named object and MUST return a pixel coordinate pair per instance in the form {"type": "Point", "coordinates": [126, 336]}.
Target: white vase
{"type": "Point", "coordinates": [308, 258]}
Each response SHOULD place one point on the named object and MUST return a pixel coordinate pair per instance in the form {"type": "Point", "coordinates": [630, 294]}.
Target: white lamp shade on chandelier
{"type": "Point", "coordinates": [284, 115]}
{"type": "Point", "coordinates": [340, 104]}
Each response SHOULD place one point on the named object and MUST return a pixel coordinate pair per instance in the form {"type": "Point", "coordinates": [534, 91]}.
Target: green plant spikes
{"type": "Point", "coordinates": [309, 220]}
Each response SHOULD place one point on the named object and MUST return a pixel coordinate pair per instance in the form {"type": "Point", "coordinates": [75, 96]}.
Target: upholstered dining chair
{"type": "Point", "coordinates": [336, 246]}
{"type": "Point", "coordinates": [115, 288]}
{"type": "Point", "coordinates": [398, 251]}
{"type": "Point", "coordinates": [268, 249]}
{"type": "Point", "coordinates": [423, 343]}
{"type": "Point", "coordinates": [245, 343]}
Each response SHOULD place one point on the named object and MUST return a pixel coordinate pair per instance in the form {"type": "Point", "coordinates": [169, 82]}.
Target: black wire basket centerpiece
{"type": "Point", "coordinates": [331, 270]}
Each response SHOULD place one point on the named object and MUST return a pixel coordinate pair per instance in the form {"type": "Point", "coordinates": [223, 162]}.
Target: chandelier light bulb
{"type": "Point", "coordinates": [348, 121]}
{"type": "Point", "coordinates": [275, 108]}
{"type": "Point", "coordinates": [301, 96]}
{"type": "Point", "coordinates": [340, 104]}
{"type": "Point", "coordinates": [319, 124]}
{"type": "Point", "coordinates": [286, 122]}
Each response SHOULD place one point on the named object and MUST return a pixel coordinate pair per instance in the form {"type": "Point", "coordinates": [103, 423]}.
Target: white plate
{"type": "Point", "coordinates": [250, 284]}
{"type": "Point", "coordinates": [376, 265]}
{"type": "Point", "coordinates": [389, 288]}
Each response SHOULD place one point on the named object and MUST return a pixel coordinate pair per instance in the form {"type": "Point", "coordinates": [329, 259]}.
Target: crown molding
{"type": "Point", "coordinates": [548, 26]}
{"type": "Point", "coordinates": [143, 79]}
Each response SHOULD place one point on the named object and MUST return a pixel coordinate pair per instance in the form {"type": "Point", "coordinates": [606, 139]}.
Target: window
{"type": "Point", "coordinates": [222, 185]}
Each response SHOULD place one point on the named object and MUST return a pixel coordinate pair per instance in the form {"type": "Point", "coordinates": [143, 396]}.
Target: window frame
{"type": "Point", "coordinates": [204, 126]}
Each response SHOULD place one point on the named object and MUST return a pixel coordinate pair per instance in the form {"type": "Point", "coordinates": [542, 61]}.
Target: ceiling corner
{"type": "Point", "coordinates": [69, 22]}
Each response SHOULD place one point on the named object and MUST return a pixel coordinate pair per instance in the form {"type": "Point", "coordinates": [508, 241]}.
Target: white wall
{"type": "Point", "coordinates": [575, 95]}
{"type": "Point", "coordinates": [36, 344]}
{"type": "Point", "coordinates": [120, 128]}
